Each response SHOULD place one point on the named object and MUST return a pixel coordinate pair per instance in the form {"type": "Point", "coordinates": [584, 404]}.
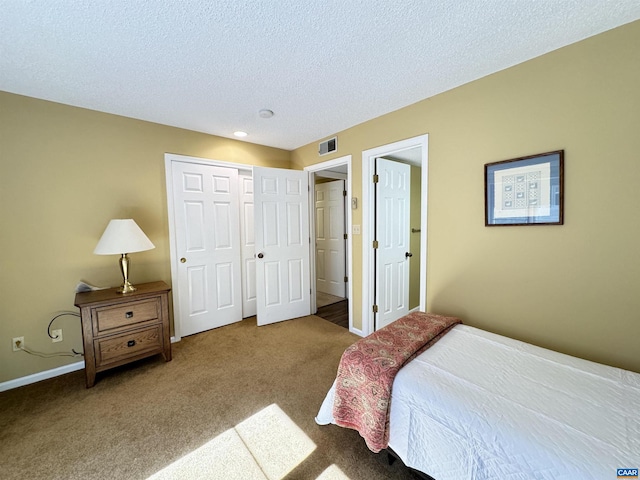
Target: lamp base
{"type": "Point", "coordinates": [127, 288]}
{"type": "Point", "coordinates": [124, 268]}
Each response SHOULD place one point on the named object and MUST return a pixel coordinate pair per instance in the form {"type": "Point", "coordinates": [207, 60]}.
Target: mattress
{"type": "Point", "coordinates": [481, 406]}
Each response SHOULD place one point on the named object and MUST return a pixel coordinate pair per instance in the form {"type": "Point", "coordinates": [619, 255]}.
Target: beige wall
{"type": "Point", "coordinates": [572, 288]}
{"type": "Point", "coordinates": [64, 173]}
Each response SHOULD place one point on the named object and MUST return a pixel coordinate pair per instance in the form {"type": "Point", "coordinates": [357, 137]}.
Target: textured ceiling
{"type": "Point", "coordinates": [321, 66]}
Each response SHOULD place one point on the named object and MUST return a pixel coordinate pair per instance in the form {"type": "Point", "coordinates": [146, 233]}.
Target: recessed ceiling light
{"type": "Point", "coordinates": [266, 113]}
{"type": "Point", "coordinates": [240, 134]}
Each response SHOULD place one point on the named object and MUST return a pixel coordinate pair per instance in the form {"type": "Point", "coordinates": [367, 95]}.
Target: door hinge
{"type": "Point", "coordinates": [375, 309]}
{"type": "Point", "coordinates": [375, 244]}
{"type": "Point", "coordinates": [345, 236]}
{"type": "Point", "coordinates": [344, 193]}
{"type": "Point", "coordinates": [376, 178]}
{"type": "Point", "coordinates": [346, 279]}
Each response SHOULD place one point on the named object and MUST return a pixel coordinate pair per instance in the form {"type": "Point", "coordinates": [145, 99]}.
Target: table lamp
{"type": "Point", "coordinates": [120, 238]}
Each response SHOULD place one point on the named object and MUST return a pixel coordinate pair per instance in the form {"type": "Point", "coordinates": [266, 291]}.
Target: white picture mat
{"type": "Point", "coordinates": [536, 181]}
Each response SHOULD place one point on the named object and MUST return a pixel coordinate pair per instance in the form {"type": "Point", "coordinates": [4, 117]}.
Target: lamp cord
{"type": "Point", "coordinates": [74, 314]}
{"type": "Point", "coordinates": [61, 354]}
{"type": "Point", "coordinates": [50, 355]}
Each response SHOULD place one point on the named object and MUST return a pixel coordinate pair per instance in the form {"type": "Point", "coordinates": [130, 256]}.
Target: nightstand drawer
{"type": "Point", "coordinates": [110, 319]}
{"type": "Point", "coordinates": [117, 348]}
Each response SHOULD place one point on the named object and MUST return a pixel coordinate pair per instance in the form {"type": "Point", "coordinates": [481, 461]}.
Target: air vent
{"type": "Point", "coordinates": [328, 146]}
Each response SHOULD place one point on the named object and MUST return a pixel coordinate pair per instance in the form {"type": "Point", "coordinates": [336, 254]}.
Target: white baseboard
{"type": "Point", "coordinates": [357, 331]}
{"type": "Point", "coordinates": [37, 377]}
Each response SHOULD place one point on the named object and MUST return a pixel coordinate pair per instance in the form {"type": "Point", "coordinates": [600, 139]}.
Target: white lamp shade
{"type": "Point", "coordinates": [123, 236]}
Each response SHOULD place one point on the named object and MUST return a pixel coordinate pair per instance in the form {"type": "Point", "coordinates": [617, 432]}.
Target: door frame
{"type": "Point", "coordinates": [368, 220]}
{"type": "Point", "coordinates": [312, 169]}
{"type": "Point", "coordinates": [169, 158]}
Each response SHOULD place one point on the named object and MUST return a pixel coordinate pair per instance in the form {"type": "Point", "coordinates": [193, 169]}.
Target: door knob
{"type": "Point", "coordinates": [261, 255]}
{"type": "Point", "coordinates": [408, 254]}
{"type": "Point", "coordinates": [182, 260]}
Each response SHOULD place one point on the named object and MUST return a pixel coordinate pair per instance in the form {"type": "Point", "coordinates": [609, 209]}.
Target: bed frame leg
{"type": "Point", "coordinates": [391, 456]}
{"type": "Point", "coordinates": [390, 459]}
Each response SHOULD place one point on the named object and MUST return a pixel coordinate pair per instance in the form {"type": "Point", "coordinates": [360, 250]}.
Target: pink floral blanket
{"type": "Point", "coordinates": [369, 366]}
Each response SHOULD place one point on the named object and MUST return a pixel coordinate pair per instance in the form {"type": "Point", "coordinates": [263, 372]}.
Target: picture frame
{"type": "Point", "coordinates": [525, 191]}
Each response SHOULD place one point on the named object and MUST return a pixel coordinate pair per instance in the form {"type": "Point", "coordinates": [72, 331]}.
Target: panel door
{"type": "Point", "coordinates": [392, 233]}
{"type": "Point", "coordinates": [247, 239]}
{"type": "Point", "coordinates": [282, 244]}
{"type": "Point", "coordinates": [330, 241]}
{"type": "Point", "coordinates": [208, 245]}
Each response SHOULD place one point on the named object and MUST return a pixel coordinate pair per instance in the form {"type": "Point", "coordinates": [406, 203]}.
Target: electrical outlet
{"type": "Point", "coordinates": [57, 335]}
{"type": "Point", "coordinates": [17, 342]}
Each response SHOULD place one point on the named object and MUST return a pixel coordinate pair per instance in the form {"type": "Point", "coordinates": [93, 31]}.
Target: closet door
{"type": "Point", "coordinates": [206, 205]}
{"type": "Point", "coordinates": [247, 239]}
{"type": "Point", "coordinates": [282, 244]}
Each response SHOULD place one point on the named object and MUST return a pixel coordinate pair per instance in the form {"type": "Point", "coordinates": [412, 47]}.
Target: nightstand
{"type": "Point", "coordinates": [121, 328]}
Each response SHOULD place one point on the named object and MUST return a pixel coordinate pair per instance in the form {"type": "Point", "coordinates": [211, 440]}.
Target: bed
{"type": "Point", "coordinates": [476, 405]}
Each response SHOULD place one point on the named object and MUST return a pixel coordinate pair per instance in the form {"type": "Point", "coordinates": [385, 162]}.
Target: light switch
{"type": "Point", "coordinates": [356, 229]}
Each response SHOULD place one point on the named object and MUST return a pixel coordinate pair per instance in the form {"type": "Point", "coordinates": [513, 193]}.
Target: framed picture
{"type": "Point", "coordinates": [525, 191]}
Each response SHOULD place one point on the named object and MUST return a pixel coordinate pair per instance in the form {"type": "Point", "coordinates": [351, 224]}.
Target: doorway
{"type": "Point", "coordinates": [416, 149]}
{"type": "Point", "coordinates": [332, 303]}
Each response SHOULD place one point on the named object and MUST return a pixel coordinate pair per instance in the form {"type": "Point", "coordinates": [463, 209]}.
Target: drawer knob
{"type": "Point", "coordinates": [131, 343]}
{"type": "Point", "coordinates": [129, 314]}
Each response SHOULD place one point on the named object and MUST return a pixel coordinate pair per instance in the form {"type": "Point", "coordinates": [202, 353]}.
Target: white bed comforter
{"type": "Point", "coordinates": [479, 406]}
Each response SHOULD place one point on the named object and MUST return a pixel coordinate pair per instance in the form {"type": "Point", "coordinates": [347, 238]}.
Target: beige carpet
{"type": "Point", "coordinates": [235, 402]}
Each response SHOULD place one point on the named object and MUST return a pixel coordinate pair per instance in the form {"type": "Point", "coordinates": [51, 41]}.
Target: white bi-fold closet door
{"type": "Point", "coordinates": [247, 244]}
{"type": "Point", "coordinates": [212, 222]}
{"type": "Point", "coordinates": [282, 244]}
